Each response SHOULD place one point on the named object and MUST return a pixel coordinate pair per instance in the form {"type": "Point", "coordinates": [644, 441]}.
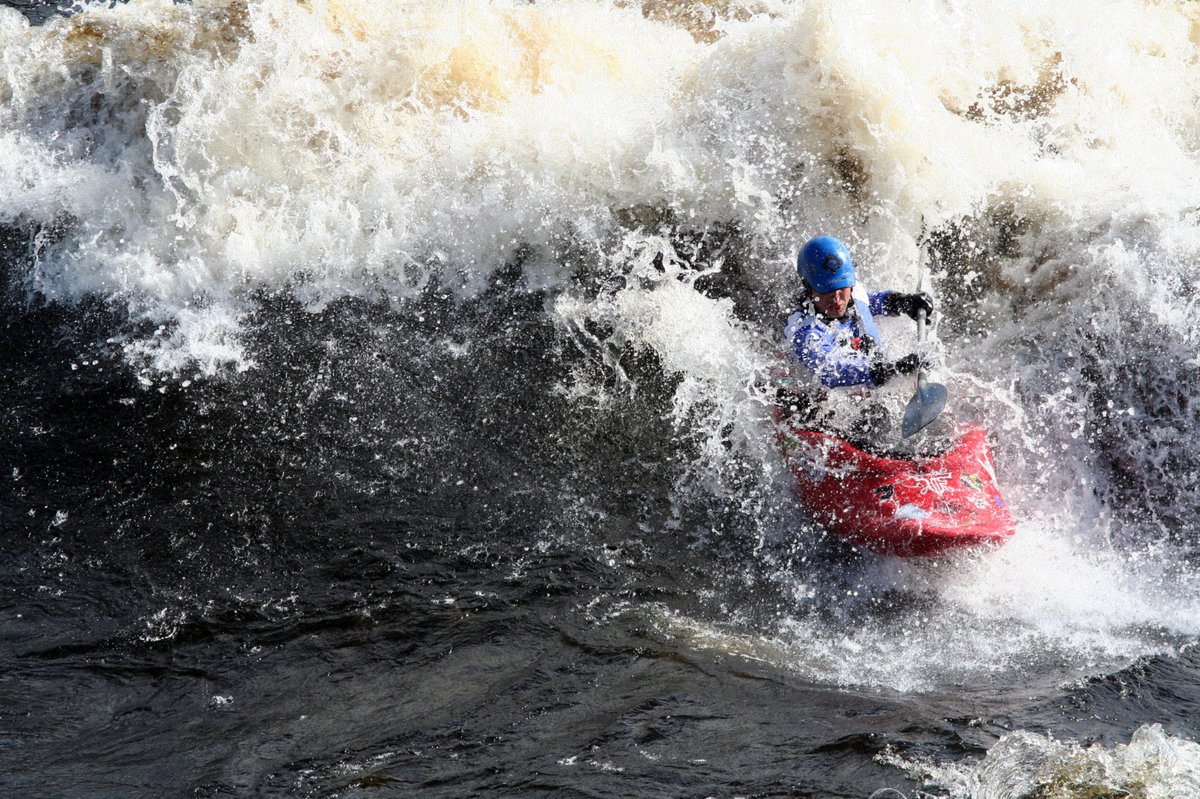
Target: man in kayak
{"type": "Point", "coordinates": [833, 334]}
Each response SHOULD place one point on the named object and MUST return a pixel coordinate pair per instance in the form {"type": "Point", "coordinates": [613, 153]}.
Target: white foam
{"type": "Point", "coordinates": [1152, 764]}
{"type": "Point", "coordinates": [353, 148]}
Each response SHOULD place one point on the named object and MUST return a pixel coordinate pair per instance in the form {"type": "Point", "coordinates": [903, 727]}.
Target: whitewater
{"type": "Point", "coordinates": [387, 395]}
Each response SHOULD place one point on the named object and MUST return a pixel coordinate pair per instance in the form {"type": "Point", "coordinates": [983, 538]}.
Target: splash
{"type": "Point", "coordinates": [210, 151]}
{"type": "Point", "coordinates": [1153, 764]}
{"type": "Point", "coordinates": [1037, 613]}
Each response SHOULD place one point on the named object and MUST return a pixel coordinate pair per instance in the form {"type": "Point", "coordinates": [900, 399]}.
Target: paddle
{"type": "Point", "coordinates": [930, 398]}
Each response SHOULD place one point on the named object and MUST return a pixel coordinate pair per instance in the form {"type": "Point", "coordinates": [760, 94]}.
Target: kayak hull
{"type": "Point", "coordinates": [899, 506]}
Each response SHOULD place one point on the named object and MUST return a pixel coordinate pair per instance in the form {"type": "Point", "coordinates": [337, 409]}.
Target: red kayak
{"type": "Point", "coordinates": [898, 506]}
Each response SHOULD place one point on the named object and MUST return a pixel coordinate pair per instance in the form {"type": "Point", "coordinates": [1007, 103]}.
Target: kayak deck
{"type": "Point", "coordinates": [899, 506]}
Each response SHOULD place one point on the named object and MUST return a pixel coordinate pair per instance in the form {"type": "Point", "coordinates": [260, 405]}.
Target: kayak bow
{"type": "Point", "coordinates": [899, 506]}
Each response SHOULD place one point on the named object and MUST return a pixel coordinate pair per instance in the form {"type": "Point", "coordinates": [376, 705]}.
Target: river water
{"type": "Point", "coordinates": [384, 398]}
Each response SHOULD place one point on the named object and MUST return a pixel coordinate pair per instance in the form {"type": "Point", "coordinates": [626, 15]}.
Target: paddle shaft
{"type": "Point", "coordinates": [921, 317]}
{"type": "Point", "coordinates": [930, 398]}
{"type": "Point", "coordinates": [920, 337]}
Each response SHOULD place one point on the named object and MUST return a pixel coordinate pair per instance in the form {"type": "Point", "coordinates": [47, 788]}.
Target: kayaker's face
{"type": "Point", "coordinates": [833, 303]}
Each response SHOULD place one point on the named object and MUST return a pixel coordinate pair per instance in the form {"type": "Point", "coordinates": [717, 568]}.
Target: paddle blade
{"type": "Point", "coordinates": [924, 407]}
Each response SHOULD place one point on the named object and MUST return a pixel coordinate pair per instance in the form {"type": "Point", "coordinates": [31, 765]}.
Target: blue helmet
{"type": "Point", "coordinates": [824, 262]}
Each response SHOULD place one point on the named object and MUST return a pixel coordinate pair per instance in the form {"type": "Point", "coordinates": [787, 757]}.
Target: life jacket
{"type": "Point", "coordinates": [838, 352]}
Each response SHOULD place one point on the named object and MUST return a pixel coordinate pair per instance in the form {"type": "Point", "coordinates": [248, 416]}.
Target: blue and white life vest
{"type": "Point", "coordinates": [839, 352]}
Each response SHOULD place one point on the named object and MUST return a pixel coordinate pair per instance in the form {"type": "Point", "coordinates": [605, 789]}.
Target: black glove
{"type": "Point", "coordinates": [897, 303]}
{"type": "Point", "coordinates": [885, 370]}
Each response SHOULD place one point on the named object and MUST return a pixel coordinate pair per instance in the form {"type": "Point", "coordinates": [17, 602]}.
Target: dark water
{"type": "Point", "coordinates": [446, 547]}
{"type": "Point", "coordinates": [347, 573]}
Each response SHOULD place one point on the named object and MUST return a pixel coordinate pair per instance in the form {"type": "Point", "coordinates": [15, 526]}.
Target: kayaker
{"type": "Point", "coordinates": [833, 334]}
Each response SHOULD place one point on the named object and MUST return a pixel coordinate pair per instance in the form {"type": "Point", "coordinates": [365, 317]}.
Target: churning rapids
{"type": "Point", "coordinates": [385, 404]}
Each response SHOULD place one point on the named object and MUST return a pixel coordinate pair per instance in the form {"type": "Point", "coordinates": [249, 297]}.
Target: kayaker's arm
{"type": "Point", "coordinates": [894, 303]}
{"type": "Point", "coordinates": [880, 302]}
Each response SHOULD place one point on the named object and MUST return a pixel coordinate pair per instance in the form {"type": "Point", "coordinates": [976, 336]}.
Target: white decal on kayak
{"type": "Point", "coordinates": [931, 483]}
{"type": "Point", "coordinates": [911, 512]}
